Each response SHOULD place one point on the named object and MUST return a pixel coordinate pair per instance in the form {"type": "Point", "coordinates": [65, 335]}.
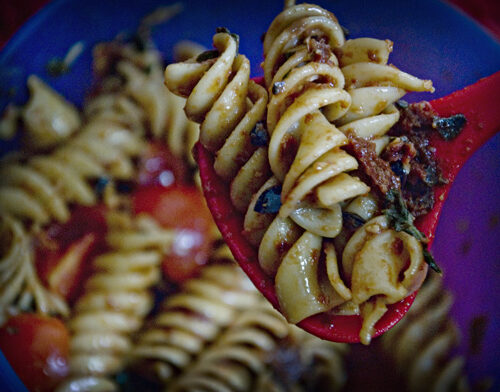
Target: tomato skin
{"type": "Point", "coordinates": [83, 220]}
{"type": "Point", "coordinates": [37, 348]}
{"type": "Point", "coordinates": [63, 259]}
{"type": "Point", "coordinates": [186, 260]}
{"type": "Point", "coordinates": [158, 166]}
{"type": "Point", "coordinates": [181, 208]}
{"type": "Point", "coordinates": [62, 272]}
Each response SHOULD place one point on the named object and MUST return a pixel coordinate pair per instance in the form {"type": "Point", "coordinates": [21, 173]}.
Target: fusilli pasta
{"type": "Point", "coordinates": [316, 101]}
{"type": "Point", "coordinates": [42, 188]}
{"type": "Point", "coordinates": [231, 363]}
{"type": "Point", "coordinates": [421, 343]}
{"type": "Point", "coordinates": [115, 302]}
{"type": "Point", "coordinates": [190, 320]}
{"type": "Point", "coordinates": [132, 91]}
{"type": "Point", "coordinates": [219, 334]}
{"type": "Point", "coordinates": [47, 118]}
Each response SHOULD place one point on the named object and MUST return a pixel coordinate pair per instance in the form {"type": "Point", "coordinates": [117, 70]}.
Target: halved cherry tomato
{"type": "Point", "coordinates": [63, 257]}
{"type": "Point", "coordinates": [37, 348]}
{"type": "Point", "coordinates": [83, 220]}
{"type": "Point", "coordinates": [182, 208]}
{"type": "Point", "coordinates": [63, 271]}
{"type": "Point", "coordinates": [158, 166]}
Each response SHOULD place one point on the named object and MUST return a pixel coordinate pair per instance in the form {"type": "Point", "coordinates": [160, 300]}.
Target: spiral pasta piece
{"type": "Point", "coordinates": [326, 361]}
{"type": "Point", "coordinates": [238, 354]}
{"type": "Point", "coordinates": [115, 302]}
{"type": "Point", "coordinates": [42, 188]}
{"type": "Point", "coordinates": [228, 113]}
{"type": "Point", "coordinates": [421, 343]}
{"type": "Point", "coordinates": [131, 89]}
{"type": "Point", "coordinates": [47, 117]}
{"type": "Point", "coordinates": [133, 93]}
{"type": "Point", "coordinates": [192, 319]}
{"type": "Point", "coordinates": [304, 148]}
{"type": "Point", "coordinates": [243, 357]}
{"type": "Point", "coordinates": [374, 86]}
{"type": "Point", "coordinates": [181, 133]}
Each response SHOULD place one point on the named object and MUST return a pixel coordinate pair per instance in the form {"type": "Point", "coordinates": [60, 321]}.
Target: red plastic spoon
{"type": "Point", "coordinates": [478, 102]}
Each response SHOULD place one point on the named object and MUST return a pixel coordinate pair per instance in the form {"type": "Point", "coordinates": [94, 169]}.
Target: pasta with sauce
{"type": "Point", "coordinates": [187, 322]}
{"type": "Point", "coordinates": [115, 301]}
{"type": "Point", "coordinates": [102, 144]}
{"type": "Point", "coordinates": [422, 343]}
{"type": "Point", "coordinates": [232, 362]}
{"type": "Point", "coordinates": [323, 91]}
{"type": "Point", "coordinates": [41, 188]}
{"type": "Point", "coordinates": [38, 189]}
{"type": "Point", "coordinates": [132, 91]}
{"type": "Point", "coordinates": [215, 332]}
{"type": "Point", "coordinates": [219, 334]}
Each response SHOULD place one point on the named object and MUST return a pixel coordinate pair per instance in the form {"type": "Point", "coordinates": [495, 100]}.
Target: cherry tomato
{"type": "Point", "coordinates": [181, 208]}
{"type": "Point", "coordinates": [63, 258]}
{"type": "Point", "coordinates": [37, 348]}
{"type": "Point", "coordinates": [62, 272]}
{"type": "Point", "coordinates": [159, 166]}
{"type": "Point", "coordinates": [83, 220]}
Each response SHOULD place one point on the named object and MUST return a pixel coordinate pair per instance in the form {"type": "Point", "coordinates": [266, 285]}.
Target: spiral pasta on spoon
{"type": "Point", "coordinates": [296, 169]}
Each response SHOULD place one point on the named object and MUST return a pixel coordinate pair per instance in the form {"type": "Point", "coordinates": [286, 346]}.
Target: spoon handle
{"type": "Point", "coordinates": [480, 103]}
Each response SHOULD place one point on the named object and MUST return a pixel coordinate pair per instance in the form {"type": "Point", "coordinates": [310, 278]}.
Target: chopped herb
{"type": "Point", "coordinates": [399, 216]}
{"type": "Point", "coordinates": [351, 220]}
{"type": "Point", "coordinates": [100, 185]}
{"type": "Point", "coordinates": [147, 70]}
{"type": "Point", "coordinates": [258, 135]}
{"type": "Point", "coordinates": [207, 55]}
{"type": "Point", "coordinates": [398, 168]}
{"type": "Point", "coordinates": [401, 220]}
{"type": "Point", "coordinates": [269, 202]}
{"type": "Point", "coordinates": [429, 259]}
{"type": "Point", "coordinates": [278, 87]}
{"type": "Point", "coordinates": [57, 67]}
{"type": "Point", "coordinates": [236, 37]}
{"type": "Point", "coordinates": [449, 127]}
{"type": "Point", "coordinates": [431, 176]}
{"type": "Point", "coordinates": [222, 30]}
{"type": "Point", "coordinates": [140, 40]}
{"type": "Point", "coordinates": [402, 104]}
{"type": "Point", "coordinates": [131, 382]}
{"type": "Point", "coordinates": [121, 378]}
{"type": "Point", "coordinates": [124, 186]}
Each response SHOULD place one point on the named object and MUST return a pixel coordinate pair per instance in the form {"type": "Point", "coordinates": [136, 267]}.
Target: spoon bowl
{"type": "Point", "coordinates": [478, 102]}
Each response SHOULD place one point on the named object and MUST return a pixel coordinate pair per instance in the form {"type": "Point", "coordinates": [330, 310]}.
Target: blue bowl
{"type": "Point", "coordinates": [432, 40]}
